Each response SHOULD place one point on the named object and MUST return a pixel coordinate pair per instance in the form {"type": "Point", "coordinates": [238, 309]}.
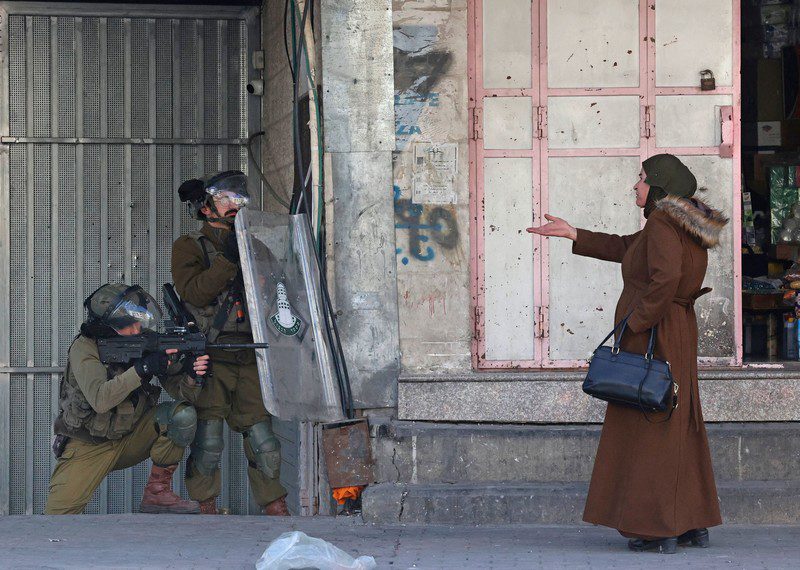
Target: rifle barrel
{"type": "Point", "coordinates": [238, 345]}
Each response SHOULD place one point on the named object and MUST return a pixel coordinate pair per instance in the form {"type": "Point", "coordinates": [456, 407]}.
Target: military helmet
{"type": "Point", "coordinates": [119, 305]}
{"type": "Point", "coordinates": [229, 186]}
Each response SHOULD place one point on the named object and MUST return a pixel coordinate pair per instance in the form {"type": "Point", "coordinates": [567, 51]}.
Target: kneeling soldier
{"type": "Point", "coordinates": [109, 418]}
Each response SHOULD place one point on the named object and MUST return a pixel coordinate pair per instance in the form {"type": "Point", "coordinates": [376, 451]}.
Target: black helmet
{"type": "Point", "coordinates": [118, 305]}
{"type": "Point", "coordinates": [230, 185]}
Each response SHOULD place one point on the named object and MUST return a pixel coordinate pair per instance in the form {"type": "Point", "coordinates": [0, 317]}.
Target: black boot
{"type": "Point", "coordinates": [661, 545]}
{"type": "Point", "coordinates": [697, 537]}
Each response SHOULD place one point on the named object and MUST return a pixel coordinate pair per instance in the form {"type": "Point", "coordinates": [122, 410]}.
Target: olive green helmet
{"type": "Point", "coordinates": [119, 305]}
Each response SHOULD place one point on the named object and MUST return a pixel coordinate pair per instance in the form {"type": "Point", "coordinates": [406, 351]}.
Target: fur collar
{"type": "Point", "coordinates": [694, 216]}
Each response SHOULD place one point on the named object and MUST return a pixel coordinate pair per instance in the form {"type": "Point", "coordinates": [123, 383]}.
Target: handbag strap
{"type": "Point", "coordinates": [623, 323]}
{"type": "Point", "coordinates": [651, 344]}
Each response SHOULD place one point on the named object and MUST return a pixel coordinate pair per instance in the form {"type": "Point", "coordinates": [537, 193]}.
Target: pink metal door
{"type": "Point", "coordinates": [504, 158]}
{"type": "Point", "coordinates": [583, 121]}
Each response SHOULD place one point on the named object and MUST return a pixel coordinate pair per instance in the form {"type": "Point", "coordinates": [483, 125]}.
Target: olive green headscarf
{"type": "Point", "coordinates": [666, 174]}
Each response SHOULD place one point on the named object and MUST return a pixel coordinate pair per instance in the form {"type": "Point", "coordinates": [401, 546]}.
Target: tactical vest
{"type": "Point", "coordinates": [205, 316]}
{"type": "Point", "coordinates": [79, 420]}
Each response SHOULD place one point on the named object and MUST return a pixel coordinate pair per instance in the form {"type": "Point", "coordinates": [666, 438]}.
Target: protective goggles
{"type": "Point", "coordinates": [135, 306]}
{"type": "Point", "coordinates": [229, 190]}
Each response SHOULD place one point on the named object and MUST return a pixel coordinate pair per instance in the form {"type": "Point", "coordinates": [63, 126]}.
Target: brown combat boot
{"type": "Point", "coordinates": [159, 498]}
{"type": "Point", "coordinates": [277, 508]}
{"type": "Point", "coordinates": [209, 506]}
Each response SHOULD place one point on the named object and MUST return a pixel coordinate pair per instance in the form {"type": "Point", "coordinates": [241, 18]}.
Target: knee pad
{"type": "Point", "coordinates": [178, 421]}
{"type": "Point", "coordinates": [207, 446]}
{"type": "Point", "coordinates": [265, 447]}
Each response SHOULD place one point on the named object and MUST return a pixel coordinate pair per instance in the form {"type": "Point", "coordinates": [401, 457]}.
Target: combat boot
{"type": "Point", "coordinates": [159, 498]}
{"type": "Point", "coordinates": [209, 506]}
{"type": "Point", "coordinates": [277, 508]}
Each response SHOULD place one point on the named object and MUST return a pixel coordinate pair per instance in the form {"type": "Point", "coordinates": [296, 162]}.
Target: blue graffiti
{"type": "Point", "coordinates": [419, 65]}
{"type": "Point", "coordinates": [439, 222]}
{"type": "Point", "coordinates": [409, 106]}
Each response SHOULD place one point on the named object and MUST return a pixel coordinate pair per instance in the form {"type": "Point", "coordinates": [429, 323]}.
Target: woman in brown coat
{"type": "Point", "coordinates": [654, 481]}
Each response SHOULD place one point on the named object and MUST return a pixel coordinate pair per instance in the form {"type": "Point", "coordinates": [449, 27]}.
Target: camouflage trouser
{"type": "Point", "coordinates": [83, 466]}
{"type": "Point", "coordinates": [233, 394]}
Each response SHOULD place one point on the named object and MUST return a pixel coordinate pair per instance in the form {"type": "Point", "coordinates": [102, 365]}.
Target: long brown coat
{"type": "Point", "coordinates": [656, 479]}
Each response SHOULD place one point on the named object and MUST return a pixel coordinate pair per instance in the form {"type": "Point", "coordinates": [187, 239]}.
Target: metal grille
{"type": "Point", "coordinates": [188, 81]}
{"type": "Point", "coordinates": [140, 78]}
{"type": "Point", "coordinates": [116, 77]}
{"type": "Point", "coordinates": [41, 76]}
{"type": "Point", "coordinates": [117, 230]}
{"type": "Point", "coordinates": [17, 75]}
{"type": "Point", "coordinates": [68, 294]}
{"type": "Point", "coordinates": [191, 165]}
{"type": "Point", "coordinates": [66, 77]}
{"type": "Point", "coordinates": [19, 254]}
{"type": "Point", "coordinates": [91, 77]}
{"type": "Point", "coordinates": [42, 429]}
{"type": "Point", "coordinates": [211, 67]}
{"type": "Point", "coordinates": [165, 201]}
{"type": "Point", "coordinates": [237, 64]}
{"type": "Point", "coordinates": [140, 210]}
{"type": "Point", "coordinates": [163, 48]}
{"type": "Point", "coordinates": [83, 213]}
{"type": "Point", "coordinates": [92, 267]}
{"type": "Point", "coordinates": [19, 442]}
{"type": "Point", "coordinates": [237, 473]}
{"type": "Point", "coordinates": [42, 274]}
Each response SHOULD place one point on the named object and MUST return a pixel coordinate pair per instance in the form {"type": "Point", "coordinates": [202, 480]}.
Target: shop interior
{"type": "Point", "coordinates": [771, 180]}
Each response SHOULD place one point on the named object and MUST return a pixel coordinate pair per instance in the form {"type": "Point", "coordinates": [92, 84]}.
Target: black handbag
{"type": "Point", "coordinates": [631, 379]}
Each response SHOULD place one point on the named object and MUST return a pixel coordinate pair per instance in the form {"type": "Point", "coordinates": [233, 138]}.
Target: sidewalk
{"type": "Point", "coordinates": [163, 541]}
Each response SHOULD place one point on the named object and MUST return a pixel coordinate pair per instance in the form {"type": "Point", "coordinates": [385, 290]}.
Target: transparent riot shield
{"type": "Point", "coordinates": [284, 300]}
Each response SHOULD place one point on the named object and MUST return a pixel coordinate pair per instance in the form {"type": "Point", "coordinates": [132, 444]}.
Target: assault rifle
{"type": "Point", "coordinates": [182, 334]}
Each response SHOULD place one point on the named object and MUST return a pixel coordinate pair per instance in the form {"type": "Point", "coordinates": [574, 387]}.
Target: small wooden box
{"type": "Point", "coordinates": [761, 301]}
{"type": "Point", "coordinates": [786, 251]}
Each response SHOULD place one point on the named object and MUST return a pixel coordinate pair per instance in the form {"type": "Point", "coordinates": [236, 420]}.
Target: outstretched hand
{"type": "Point", "coordinates": [556, 227]}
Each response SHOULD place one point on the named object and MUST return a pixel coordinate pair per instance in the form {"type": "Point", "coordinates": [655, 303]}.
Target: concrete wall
{"type": "Point", "coordinates": [431, 191]}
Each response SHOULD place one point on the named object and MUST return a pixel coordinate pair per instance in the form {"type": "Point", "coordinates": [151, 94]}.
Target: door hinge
{"type": "Point", "coordinates": [477, 322]}
{"type": "Point", "coordinates": [726, 128]}
{"type": "Point", "coordinates": [541, 122]}
{"type": "Point", "coordinates": [647, 124]}
{"type": "Point", "coordinates": [477, 123]}
{"type": "Point", "coordinates": [541, 329]}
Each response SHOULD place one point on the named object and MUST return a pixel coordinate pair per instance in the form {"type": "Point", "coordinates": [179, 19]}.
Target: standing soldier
{"type": "Point", "coordinates": [207, 276]}
{"type": "Point", "coordinates": [108, 417]}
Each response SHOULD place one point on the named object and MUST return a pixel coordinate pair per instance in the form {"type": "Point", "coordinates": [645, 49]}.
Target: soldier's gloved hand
{"type": "Point", "coordinates": [153, 364]}
{"type": "Point", "coordinates": [230, 249]}
{"type": "Point", "coordinates": [196, 370]}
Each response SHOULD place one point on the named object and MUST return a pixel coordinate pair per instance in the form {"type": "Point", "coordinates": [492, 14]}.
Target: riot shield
{"type": "Point", "coordinates": [284, 300]}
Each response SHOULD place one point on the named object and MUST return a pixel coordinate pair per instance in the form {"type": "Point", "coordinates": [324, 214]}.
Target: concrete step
{"type": "Point", "coordinates": [423, 452]}
{"type": "Point", "coordinates": [754, 502]}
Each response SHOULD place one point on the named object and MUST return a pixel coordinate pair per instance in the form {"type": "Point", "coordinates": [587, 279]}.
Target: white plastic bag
{"type": "Point", "coordinates": [293, 550]}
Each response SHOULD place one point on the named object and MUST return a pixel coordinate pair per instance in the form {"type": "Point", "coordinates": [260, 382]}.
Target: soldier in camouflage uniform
{"type": "Point", "coordinates": [207, 276]}
{"type": "Point", "coordinates": [109, 418]}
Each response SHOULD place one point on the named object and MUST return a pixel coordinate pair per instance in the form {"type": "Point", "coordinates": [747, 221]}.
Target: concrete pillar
{"type": "Point", "coordinates": [358, 91]}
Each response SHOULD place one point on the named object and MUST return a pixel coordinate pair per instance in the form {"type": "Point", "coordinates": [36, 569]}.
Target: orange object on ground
{"type": "Point", "coordinates": [341, 494]}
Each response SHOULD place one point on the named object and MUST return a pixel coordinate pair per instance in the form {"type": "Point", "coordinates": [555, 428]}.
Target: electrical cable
{"type": "Point", "coordinates": [320, 193]}
{"type": "Point", "coordinates": [296, 119]}
{"type": "Point", "coordinates": [270, 189]}
{"type": "Point", "coordinates": [286, 39]}
{"type": "Point", "coordinates": [300, 196]}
